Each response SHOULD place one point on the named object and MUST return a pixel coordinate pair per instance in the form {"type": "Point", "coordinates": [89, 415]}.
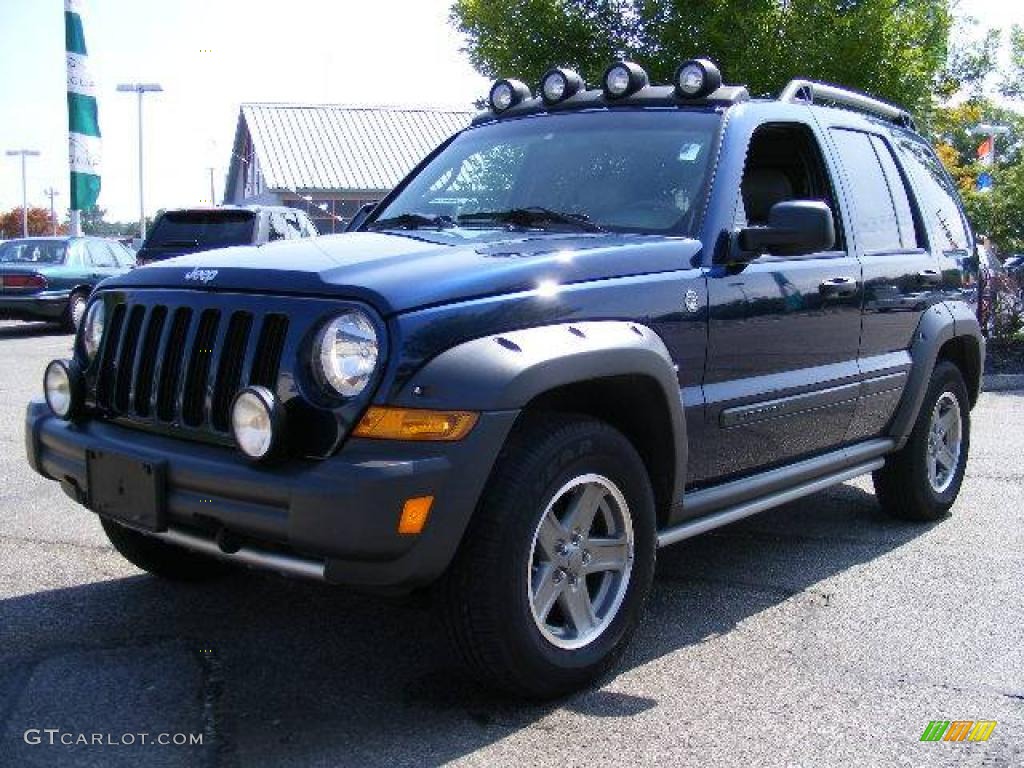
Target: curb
{"type": "Point", "coordinates": [1002, 382]}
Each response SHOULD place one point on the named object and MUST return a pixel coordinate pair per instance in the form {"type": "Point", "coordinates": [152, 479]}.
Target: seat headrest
{"type": "Point", "coordinates": [763, 188]}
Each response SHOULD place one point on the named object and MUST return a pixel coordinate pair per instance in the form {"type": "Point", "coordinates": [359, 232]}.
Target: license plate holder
{"type": "Point", "coordinates": [126, 489]}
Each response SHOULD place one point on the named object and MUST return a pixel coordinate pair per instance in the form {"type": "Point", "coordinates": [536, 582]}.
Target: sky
{"type": "Point", "coordinates": [212, 55]}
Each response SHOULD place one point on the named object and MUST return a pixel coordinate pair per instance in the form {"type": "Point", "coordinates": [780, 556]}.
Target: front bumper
{"type": "Point", "coordinates": [50, 305]}
{"type": "Point", "coordinates": [334, 519]}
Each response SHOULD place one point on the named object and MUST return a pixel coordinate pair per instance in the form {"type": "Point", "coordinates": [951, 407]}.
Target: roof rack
{"type": "Point", "coordinates": [810, 92]}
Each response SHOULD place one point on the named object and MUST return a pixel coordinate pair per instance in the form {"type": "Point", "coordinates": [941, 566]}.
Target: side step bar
{"type": "Point", "coordinates": [803, 480]}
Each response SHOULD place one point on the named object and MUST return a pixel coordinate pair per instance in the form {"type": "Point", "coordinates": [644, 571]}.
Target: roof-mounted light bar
{"type": "Point", "coordinates": [505, 94]}
{"type": "Point", "coordinates": [697, 78]}
{"type": "Point", "coordinates": [622, 79]}
{"type": "Point", "coordinates": [559, 84]}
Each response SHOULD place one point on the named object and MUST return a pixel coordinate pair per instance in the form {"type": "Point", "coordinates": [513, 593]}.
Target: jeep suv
{"type": "Point", "coordinates": [592, 324]}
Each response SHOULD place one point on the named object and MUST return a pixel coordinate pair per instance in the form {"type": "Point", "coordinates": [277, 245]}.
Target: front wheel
{"type": "Point", "coordinates": [921, 481]}
{"type": "Point", "coordinates": [75, 311]}
{"type": "Point", "coordinates": [554, 570]}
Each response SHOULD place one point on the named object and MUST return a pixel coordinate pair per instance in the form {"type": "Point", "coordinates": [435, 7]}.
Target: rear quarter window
{"type": "Point", "coordinates": [936, 195]}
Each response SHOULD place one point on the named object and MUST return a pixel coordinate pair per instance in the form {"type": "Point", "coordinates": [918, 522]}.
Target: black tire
{"type": "Point", "coordinates": [486, 594]}
{"type": "Point", "coordinates": [162, 559]}
{"type": "Point", "coordinates": [75, 311]}
{"type": "Point", "coordinates": [903, 486]}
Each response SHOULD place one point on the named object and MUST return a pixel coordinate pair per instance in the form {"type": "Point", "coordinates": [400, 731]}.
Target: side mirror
{"type": "Point", "coordinates": [361, 215]}
{"type": "Point", "coordinates": [795, 227]}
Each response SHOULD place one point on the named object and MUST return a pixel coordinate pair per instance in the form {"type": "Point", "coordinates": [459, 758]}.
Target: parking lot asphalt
{"type": "Point", "coordinates": [819, 633]}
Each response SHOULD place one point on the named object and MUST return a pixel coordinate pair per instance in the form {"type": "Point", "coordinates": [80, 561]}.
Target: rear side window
{"type": "Point", "coordinates": [874, 212]}
{"type": "Point", "coordinates": [936, 196]}
{"type": "Point", "coordinates": [910, 235]}
{"type": "Point", "coordinates": [202, 229]}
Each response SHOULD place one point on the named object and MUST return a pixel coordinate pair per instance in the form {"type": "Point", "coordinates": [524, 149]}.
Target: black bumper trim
{"type": "Point", "coordinates": [342, 511]}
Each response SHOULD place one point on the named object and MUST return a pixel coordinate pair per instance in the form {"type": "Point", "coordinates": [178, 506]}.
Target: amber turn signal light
{"type": "Point", "coordinates": [414, 514]}
{"type": "Point", "coordinates": [414, 424]}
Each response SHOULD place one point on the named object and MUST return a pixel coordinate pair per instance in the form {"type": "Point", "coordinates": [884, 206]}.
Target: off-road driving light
{"type": "Point", "coordinates": [623, 78]}
{"type": "Point", "coordinates": [92, 328]}
{"type": "Point", "coordinates": [346, 353]}
{"type": "Point", "coordinates": [256, 422]}
{"type": "Point", "coordinates": [505, 94]}
{"type": "Point", "coordinates": [559, 84]}
{"type": "Point", "coordinates": [697, 78]}
{"type": "Point", "coordinates": [415, 424]}
{"type": "Point", "coordinates": [62, 387]}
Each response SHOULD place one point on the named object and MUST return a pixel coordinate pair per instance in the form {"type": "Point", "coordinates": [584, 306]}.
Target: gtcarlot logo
{"type": "Point", "coordinates": [57, 736]}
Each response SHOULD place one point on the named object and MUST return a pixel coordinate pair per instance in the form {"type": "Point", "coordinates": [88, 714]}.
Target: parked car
{"type": "Point", "coordinates": [592, 324]}
{"type": "Point", "coordinates": [50, 278]}
{"type": "Point", "coordinates": [1014, 264]}
{"type": "Point", "coordinates": [189, 230]}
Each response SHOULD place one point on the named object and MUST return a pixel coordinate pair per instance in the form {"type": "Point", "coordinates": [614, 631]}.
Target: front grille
{"type": "Point", "coordinates": [181, 366]}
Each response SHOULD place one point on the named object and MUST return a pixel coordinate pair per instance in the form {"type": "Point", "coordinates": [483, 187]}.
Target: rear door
{"type": "Point", "coordinates": [902, 277]}
{"type": "Point", "coordinates": [781, 378]}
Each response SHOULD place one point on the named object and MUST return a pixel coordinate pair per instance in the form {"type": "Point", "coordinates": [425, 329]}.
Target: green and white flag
{"type": "Point", "coordinates": [83, 118]}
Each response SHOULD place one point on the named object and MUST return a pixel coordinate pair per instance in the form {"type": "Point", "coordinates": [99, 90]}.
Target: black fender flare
{"type": "Point", "coordinates": [505, 371]}
{"type": "Point", "coordinates": [941, 323]}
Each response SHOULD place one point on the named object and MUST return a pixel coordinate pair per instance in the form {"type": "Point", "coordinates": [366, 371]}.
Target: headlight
{"type": "Point", "coordinates": [623, 78]}
{"type": "Point", "coordinates": [507, 93]}
{"type": "Point", "coordinates": [92, 328]}
{"type": "Point", "coordinates": [62, 387]}
{"type": "Point", "coordinates": [696, 78]}
{"type": "Point", "coordinates": [256, 422]}
{"type": "Point", "coordinates": [346, 353]}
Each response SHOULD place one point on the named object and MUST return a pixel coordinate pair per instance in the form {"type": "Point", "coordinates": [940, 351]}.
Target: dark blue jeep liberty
{"type": "Point", "coordinates": [592, 324]}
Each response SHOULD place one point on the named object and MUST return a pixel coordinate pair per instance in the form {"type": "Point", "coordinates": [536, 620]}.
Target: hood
{"type": "Point", "coordinates": [396, 272]}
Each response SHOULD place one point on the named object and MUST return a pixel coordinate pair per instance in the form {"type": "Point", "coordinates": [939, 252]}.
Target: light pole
{"type": "Point", "coordinates": [213, 193]}
{"type": "Point", "coordinates": [140, 88]}
{"type": "Point", "coordinates": [24, 194]}
{"type": "Point", "coordinates": [52, 193]}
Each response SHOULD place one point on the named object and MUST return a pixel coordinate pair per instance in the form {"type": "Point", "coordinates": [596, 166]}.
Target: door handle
{"type": "Point", "coordinates": [930, 276]}
{"type": "Point", "coordinates": [838, 287]}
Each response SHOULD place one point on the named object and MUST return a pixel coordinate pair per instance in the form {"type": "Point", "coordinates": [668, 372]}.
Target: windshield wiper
{"type": "Point", "coordinates": [534, 216]}
{"type": "Point", "coordinates": [412, 221]}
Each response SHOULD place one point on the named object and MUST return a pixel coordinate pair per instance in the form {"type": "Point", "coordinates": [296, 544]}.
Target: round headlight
{"type": "Point", "coordinates": [347, 351]}
{"type": "Point", "coordinates": [696, 78]}
{"type": "Point", "coordinates": [558, 84]}
{"type": "Point", "coordinates": [624, 78]}
{"type": "Point", "coordinates": [505, 94]}
{"type": "Point", "coordinates": [92, 328]}
{"type": "Point", "coordinates": [255, 421]}
{"type": "Point", "coordinates": [62, 388]}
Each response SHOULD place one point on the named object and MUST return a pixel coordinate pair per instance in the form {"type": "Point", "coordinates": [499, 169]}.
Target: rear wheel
{"type": "Point", "coordinates": [160, 558]}
{"type": "Point", "coordinates": [76, 310]}
{"type": "Point", "coordinates": [922, 480]}
{"type": "Point", "coordinates": [551, 579]}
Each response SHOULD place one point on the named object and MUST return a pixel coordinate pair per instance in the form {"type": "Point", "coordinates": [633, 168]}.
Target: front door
{"type": "Point", "coordinates": [781, 378]}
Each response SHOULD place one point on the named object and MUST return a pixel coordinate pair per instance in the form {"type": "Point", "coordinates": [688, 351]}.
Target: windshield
{"type": "Point", "coordinates": [202, 229]}
{"type": "Point", "coordinates": [634, 171]}
{"type": "Point", "coordinates": [33, 251]}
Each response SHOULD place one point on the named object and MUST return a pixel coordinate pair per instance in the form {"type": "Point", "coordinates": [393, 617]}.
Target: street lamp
{"type": "Point", "coordinates": [24, 195]}
{"type": "Point", "coordinates": [140, 88]}
{"type": "Point", "coordinates": [51, 193]}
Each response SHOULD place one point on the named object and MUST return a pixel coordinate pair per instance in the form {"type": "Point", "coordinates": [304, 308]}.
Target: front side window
{"type": "Point", "coordinates": [634, 171]}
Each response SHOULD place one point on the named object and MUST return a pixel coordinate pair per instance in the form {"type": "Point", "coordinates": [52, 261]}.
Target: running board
{"type": "Point", "coordinates": [728, 515]}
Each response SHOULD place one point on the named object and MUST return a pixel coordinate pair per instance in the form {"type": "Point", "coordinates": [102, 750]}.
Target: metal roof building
{"type": "Point", "coordinates": [327, 159]}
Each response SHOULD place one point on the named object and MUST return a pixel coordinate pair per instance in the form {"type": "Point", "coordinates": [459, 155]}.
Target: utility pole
{"type": "Point", "coordinates": [213, 193]}
{"type": "Point", "coordinates": [52, 193]}
{"type": "Point", "coordinates": [140, 88]}
{"type": "Point", "coordinates": [24, 194]}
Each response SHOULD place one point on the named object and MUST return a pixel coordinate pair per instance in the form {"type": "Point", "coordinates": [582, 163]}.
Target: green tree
{"type": "Point", "coordinates": [896, 49]}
